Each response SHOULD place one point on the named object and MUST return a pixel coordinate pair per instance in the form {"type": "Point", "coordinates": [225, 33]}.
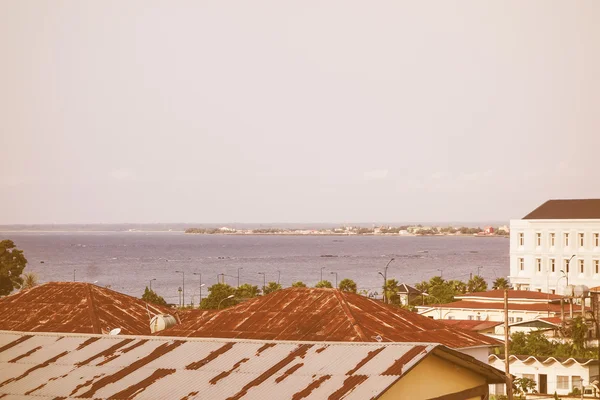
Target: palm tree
{"type": "Point", "coordinates": [29, 280]}
{"type": "Point", "coordinates": [476, 284]}
{"type": "Point", "coordinates": [501, 283]}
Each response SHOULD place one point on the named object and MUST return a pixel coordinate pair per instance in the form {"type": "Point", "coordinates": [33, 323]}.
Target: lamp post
{"type": "Point", "coordinates": [322, 268]}
{"type": "Point", "coordinates": [278, 276]}
{"type": "Point", "coordinates": [239, 276]}
{"type": "Point", "coordinates": [222, 300]}
{"type": "Point", "coordinates": [264, 281]}
{"type": "Point", "coordinates": [201, 284]}
{"type": "Point", "coordinates": [384, 284]}
{"type": "Point", "coordinates": [153, 279]}
{"type": "Point", "coordinates": [441, 272]}
{"type": "Point", "coordinates": [74, 274]}
{"type": "Point", "coordinates": [335, 273]}
{"type": "Point", "coordinates": [385, 279]}
{"type": "Point", "coordinates": [478, 268]}
{"type": "Point", "coordinates": [183, 285]}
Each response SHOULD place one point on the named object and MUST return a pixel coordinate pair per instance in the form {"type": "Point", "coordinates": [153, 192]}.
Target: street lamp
{"type": "Point", "coordinates": [74, 274]}
{"type": "Point", "coordinates": [335, 273]}
{"type": "Point", "coordinates": [264, 281]}
{"type": "Point", "coordinates": [322, 268]}
{"type": "Point", "coordinates": [201, 284]}
{"type": "Point", "coordinates": [153, 279]}
{"type": "Point", "coordinates": [183, 285]}
{"type": "Point", "coordinates": [385, 279]}
{"type": "Point", "coordinates": [239, 276]}
{"type": "Point", "coordinates": [228, 297]}
{"type": "Point", "coordinates": [441, 272]}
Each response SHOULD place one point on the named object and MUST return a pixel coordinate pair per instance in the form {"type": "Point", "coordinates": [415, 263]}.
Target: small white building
{"type": "Point", "coordinates": [556, 244]}
{"type": "Point", "coordinates": [489, 306]}
{"type": "Point", "coordinates": [551, 374]}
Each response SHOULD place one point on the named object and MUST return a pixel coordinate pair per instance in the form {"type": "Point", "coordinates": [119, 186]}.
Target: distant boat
{"type": "Point", "coordinates": [328, 255]}
{"type": "Point", "coordinates": [423, 251]}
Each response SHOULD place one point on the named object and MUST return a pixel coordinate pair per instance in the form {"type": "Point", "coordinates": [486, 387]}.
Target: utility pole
{"type": "Point", "coordinates": [199, 274]}
{"type": "Point", "coordinates": [322, 268]}
{"type": "Point", "coordinates": [74, 274]}
{"type": "Point", "coordinates": [278, 276]}
{"type": "Point", "coordinates": [335, 273]}
{"type": "Point", "coordinates": [509, 393]}
{"type": "Point", "coordinates": [183, 281]}
{"type": "Point", "coordinates": [264, 281]}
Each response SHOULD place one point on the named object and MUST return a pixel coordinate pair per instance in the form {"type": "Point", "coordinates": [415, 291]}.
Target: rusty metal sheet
{"type": "Point", "coordinates": [324, 315]}
{"type": "Point", "coordinates": [75, 307]}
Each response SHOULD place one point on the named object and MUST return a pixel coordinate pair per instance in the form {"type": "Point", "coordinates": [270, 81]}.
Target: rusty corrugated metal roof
{"type": "Point", "coordinates": [114, 367]}
{"type": "Point", "coordinates": [498, 294]}
{"type": "Point", "coordinates": [324, 315]}
{"type": "Point", "coordinates": [470, 325]}
{"type": "Point", "coordinates": [567, 209]}
{"type": "Point", "coordinates": [75, 307]}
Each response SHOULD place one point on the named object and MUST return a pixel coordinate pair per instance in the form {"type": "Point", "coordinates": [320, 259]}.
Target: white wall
{"type": "Point", "coordinates": [485, 315]}
{"type": "Point", "coordinates": [479, 353]}
{"type": "Point", "coordinates": [546, 280]}
{"type": "Point", "coordinates": [552, 370]}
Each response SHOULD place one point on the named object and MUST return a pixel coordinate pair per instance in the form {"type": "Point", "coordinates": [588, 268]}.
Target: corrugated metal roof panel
{"type": "Point", "coordinates": [94, 366]}
{"type": "Point", "coordinates": [323, 315]}
{"type": "Point", "coordinates": [75, 307]}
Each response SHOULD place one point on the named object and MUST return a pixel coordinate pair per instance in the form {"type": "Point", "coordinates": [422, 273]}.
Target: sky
{"type": "Point", "coordinates": [304, 111]}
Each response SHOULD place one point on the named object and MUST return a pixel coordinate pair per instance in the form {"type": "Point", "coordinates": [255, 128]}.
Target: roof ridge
{"type": "Point", "coordinates": [350, 316]}
{"type": "Point", "coordinates": [92, 310]}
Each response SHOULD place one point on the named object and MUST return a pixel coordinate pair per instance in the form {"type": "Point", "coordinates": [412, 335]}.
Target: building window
{"type": "Point", "coordinates": [521, 239]}
{"type": "Point", "coordinates": [538, 263]}
{"type": "Point", "coordinates": [596, 239]}
{"type": "Point", "coordinates": [471, 317]}
{"type": "Point", "coordinates": [566, 240]}
{"type": "Point", "coordinates": [519, 319]}
{"type": "Point", "coordinates": [562, 382]}
{"type": "Point", "coordinates": [567, 265]}
{"type": "Point", "coordinates": [596, 265]}
{"type": "Point", "coordinates": [511, 320]}
{"type": "Point", "coordinates": [581, 266]}
{"type": "Point", "coordinates": [552, 239]}
{"type": "Point", "coordinates": [581, 239]}
{"type": "Point", "coordinates": [521, 264]}
{"type": "Point", "coordinates": [576, 382]}
{"type": "Point", "coordinates": [538, 239]}
{"type": "Point", "coordinates": [552, 265]}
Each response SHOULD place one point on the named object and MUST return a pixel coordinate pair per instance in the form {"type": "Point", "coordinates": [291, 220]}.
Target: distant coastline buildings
{"type": "Point", "coordinates": [556, 244]}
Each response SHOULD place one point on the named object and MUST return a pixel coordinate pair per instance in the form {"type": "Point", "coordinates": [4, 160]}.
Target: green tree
{"type": "Point", "coordinates": [501, 283]}
{"type": "Point", "coordinates": [391, 291]}
{"type": "Point", "coordinates": [247, 291]}
{"type": "Point", "coordinates": [348, 285]}
{"type": "Point", "coordinates": [476, 284]}
{"type": "Point", "coordinates": [12, 263]}
{"type": "Point", "coordinates": [272, 287]}
{"type": "Point", "coordinates": [578, 333]}
{"type": "Point", "coordinates": [218, 294]}
{"type": "Point", "coordinates": [298, 284]}
{"type": "Point", "coordinates": [29, 280]}
{"type": "Point", "coordinates": [150, 296]}
{"type": "Point", "coordinates": [459, 286]}
{"type": "Point", "coordinates": [324, 284]}
{"type": "Point", "coordinates": [523, 386]}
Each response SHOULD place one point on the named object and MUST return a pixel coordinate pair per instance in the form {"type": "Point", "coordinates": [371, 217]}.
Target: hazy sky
{"type": "Point", "coordinates": [303, 111]}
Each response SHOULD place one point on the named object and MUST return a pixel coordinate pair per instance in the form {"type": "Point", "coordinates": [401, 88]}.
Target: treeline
{"type": "Point", "coordinates": [222, 295]}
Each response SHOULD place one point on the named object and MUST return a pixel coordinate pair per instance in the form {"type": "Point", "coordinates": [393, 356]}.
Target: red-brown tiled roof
{"type": "Point", "coordinates": [512, 294]}
{"type": "Point", "coordinates": [75, 307]}
{"type": "Point", "coordinates": [470, 325]}
{"type": "Point", "coordinates": [479, 305]}
{"type": "Point", "coordinates": [324, 315]}
{"type": "Point", "coordinates": [567, 209]}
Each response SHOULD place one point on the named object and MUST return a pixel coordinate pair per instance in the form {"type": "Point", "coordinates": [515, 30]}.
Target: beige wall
{"type": "Point", "coordinates": [433, 377]}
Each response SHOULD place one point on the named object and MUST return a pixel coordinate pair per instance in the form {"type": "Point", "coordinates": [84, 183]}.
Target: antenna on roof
{"type": "Point", "coordinates": [115, 332]}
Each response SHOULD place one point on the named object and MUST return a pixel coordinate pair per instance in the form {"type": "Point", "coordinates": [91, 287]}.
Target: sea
{"type": "Point", "coordinates": [130, 261]}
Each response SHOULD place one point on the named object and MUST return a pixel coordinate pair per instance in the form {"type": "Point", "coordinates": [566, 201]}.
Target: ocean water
{"type": "Point", "coordinates": [126, 261]}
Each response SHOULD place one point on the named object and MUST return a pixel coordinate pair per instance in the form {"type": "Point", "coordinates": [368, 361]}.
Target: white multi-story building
{"type": "Point", "coordinates": [556, 244]}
